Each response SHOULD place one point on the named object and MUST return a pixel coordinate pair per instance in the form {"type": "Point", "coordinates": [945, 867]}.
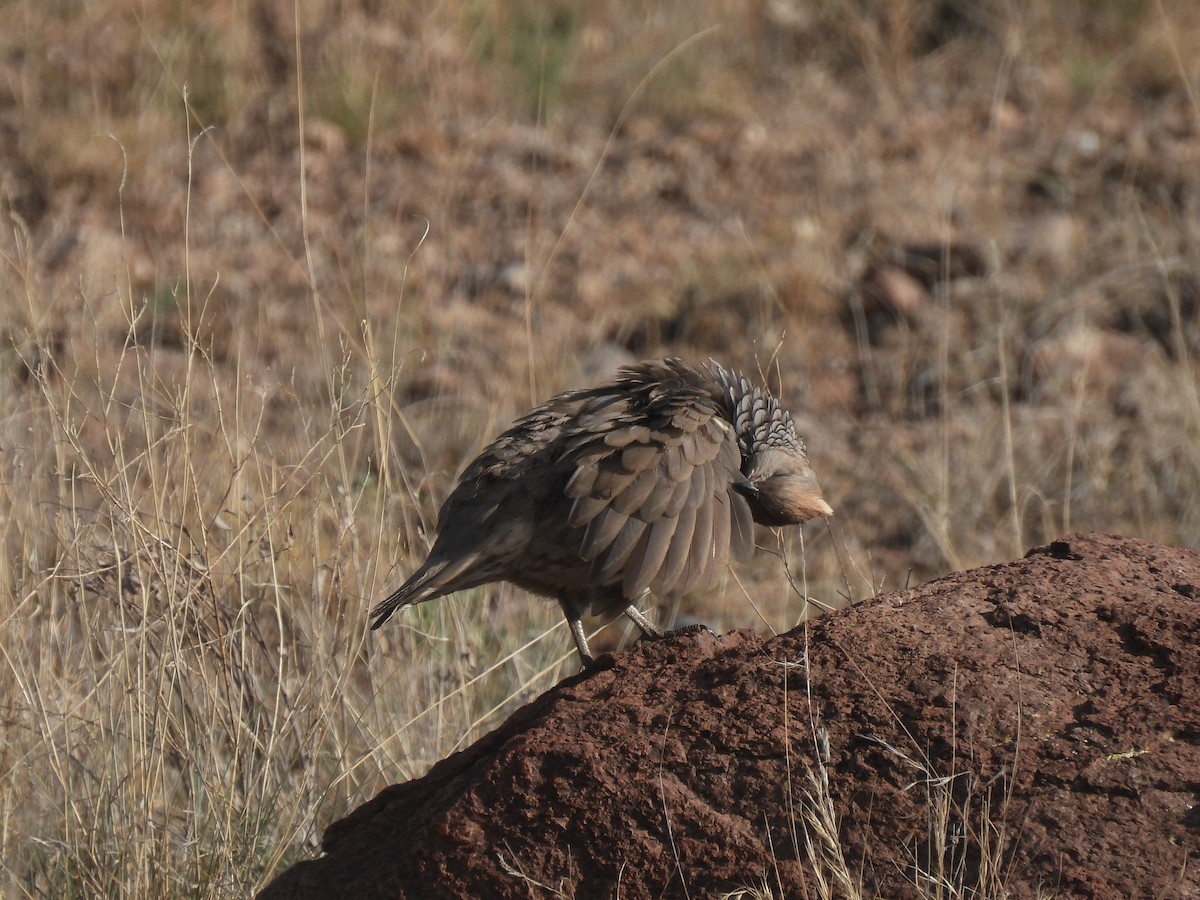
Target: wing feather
{"type": "Point", "coordinates": [720, 535]}
{"type": "Point", "coordinates": [681, 494]}
{"type": "Point", "coordinates": [634, 500]}
{"type": "Point", "coordinates": [700, 552]}
{"type": "Point", "coordinates": [618, 552]}
{"type": "Point", "coordinates": [652, 492]}
{"type": "Point", "coordinates": [585, 509]}
{"type": "Point", "coordinates": [674, 465]}
{"type": "Point", "coordinates": [677, 558]}
{"type": "Point", "coordinates": [581, 482]}
{"type": "Point", "coordinates": [656, 503]}
{"type": "Point", "coordinates": [622, 434]}
{"type": "Point", "coordinates": [690, 446]}
{"type": "Point", "coordinates": [742, 527]}
{"type": "Point", "coordinates": [638, 457]}
{"type": "Point", "coordinates": [644, 564]}
{"type": "Point", "coordinates": [697, 490]}
{"type": "Point", "coordinates": [600, 534]}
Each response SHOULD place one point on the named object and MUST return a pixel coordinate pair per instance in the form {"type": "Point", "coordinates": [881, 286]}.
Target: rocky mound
{"type": "Point", "coordinates": [1023, 730]}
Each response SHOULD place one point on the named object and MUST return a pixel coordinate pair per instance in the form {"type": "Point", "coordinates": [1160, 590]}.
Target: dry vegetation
{"type": "Point", "coordinates": [269, 276]}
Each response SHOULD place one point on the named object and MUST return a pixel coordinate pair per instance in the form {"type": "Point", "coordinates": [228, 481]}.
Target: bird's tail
{"type": "Point", "coordinates": [436, 578]}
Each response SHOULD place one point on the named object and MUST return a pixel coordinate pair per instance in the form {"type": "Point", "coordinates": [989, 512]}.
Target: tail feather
{"type": "Point", "coordinates": [436, 578]}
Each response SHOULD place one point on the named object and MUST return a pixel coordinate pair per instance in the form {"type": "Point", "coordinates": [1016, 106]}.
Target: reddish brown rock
{"type": "Point", "coordinates": [1034, 725]}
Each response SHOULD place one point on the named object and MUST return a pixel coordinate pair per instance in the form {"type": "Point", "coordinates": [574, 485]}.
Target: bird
{"type": "Point", "coordinates": [646, 483]}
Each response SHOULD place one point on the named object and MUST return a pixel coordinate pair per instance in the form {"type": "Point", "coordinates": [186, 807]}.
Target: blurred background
{"type": "Point", "coordinates": [271, 274]}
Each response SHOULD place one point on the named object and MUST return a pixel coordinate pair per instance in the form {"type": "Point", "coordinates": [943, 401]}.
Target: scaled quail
{"type": "Point", "coordinates": [644, 483]}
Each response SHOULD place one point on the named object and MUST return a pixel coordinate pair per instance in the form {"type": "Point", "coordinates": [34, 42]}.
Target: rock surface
{"type": "Point", "coordinates": [1023, 730]}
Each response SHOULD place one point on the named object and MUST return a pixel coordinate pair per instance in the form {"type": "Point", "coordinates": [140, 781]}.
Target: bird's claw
{"type": "Point", "coordinates": [694, 628]}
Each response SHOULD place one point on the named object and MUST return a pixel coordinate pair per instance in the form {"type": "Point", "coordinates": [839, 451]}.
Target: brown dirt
{"type": "Point", "coordinates": [1050, 702]}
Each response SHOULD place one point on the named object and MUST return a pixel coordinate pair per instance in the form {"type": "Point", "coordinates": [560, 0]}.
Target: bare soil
{"type": "Point", "coordinates": [1030, 729]}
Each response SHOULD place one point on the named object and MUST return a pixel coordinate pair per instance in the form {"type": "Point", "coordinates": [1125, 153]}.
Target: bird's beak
{"type": "Point", "coordinates": [746, 487]}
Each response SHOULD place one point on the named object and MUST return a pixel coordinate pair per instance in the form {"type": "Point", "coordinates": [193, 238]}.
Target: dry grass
{"type": "Point", "coordinates": [268, 279]}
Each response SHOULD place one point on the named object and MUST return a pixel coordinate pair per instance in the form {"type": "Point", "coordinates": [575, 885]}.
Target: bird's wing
{"type": "Point", "coordinates": [652, 492]}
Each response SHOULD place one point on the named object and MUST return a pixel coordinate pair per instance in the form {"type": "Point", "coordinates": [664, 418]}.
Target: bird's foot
{"type": "Point", "coordinates": [591, 665]}
{"type": "Point", "coordinates": [694, 628]}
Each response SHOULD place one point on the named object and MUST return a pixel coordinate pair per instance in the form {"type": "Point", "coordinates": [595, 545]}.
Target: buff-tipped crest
{"type": "Point", "coordinates": [757, 417]}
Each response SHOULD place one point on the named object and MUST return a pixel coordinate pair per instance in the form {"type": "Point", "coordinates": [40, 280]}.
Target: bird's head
{"type": "Point", "coordinates": [782, 488]}
{"type": "Point", "coordinates": [779, 485]}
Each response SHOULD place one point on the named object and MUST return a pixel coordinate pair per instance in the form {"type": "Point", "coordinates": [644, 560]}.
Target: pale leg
{"type": "Point", "coordinates": [642, 622]}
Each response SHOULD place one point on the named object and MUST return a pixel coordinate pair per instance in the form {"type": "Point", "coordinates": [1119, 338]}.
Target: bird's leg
{"type": "Point", "coordinates": [650, 633]}
{"type": "Point", "coordinates": [648, 630]}
{"type": "Point", "coordinates": [581, 644]}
